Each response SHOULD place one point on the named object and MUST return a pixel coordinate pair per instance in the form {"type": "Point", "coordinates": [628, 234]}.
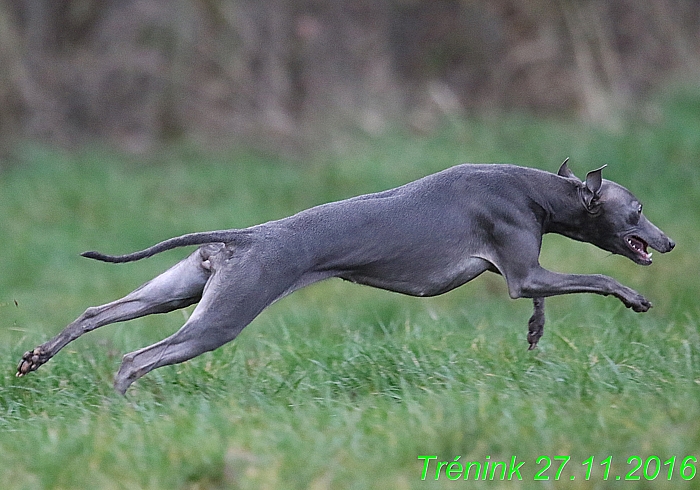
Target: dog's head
{"type": "Point", "coordinates": [613, 218]}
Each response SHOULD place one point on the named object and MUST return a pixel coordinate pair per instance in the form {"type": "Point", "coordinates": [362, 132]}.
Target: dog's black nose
{"type": "Point", "coordinates": [671, 244]}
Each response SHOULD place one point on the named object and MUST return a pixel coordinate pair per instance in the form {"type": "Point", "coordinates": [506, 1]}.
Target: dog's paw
{"type": "Point", "coordinates": [534, 334]}
{"type": "Point", "coordinates": [640, 304]}
{"type": "Point", "coordinates": [31, 361]}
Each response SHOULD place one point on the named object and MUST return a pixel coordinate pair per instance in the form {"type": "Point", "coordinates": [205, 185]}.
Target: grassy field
{"type": "Point", "coordinates": [341, 386]}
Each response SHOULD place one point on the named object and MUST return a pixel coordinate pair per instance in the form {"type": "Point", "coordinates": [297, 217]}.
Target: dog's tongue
{"type": "Point", "coordinates": [639, 246]}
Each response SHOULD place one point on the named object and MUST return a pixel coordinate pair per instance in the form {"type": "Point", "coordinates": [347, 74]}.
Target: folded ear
{"type": "Point", "coordinates": [591, 189]}
{"type": "Point", "coordinates": [565, 172]}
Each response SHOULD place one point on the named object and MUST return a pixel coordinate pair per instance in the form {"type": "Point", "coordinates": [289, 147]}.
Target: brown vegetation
{"type": "Point", "coordinates": [283, 72]}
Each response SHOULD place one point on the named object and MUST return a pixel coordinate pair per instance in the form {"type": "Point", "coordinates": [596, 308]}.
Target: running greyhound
{"type": "Point", "coordinates": [421, 239]}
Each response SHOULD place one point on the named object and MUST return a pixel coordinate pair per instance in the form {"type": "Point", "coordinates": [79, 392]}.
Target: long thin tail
{"type": "Point", "coordinates": [179, 241]}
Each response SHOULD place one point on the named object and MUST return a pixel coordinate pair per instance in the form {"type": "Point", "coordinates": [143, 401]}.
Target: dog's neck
{"type": "Point", "coordinates": [565, 212]}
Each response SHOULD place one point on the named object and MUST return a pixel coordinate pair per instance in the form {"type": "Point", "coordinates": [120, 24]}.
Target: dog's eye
{"type": "Point", "coordinates": [639, 209]}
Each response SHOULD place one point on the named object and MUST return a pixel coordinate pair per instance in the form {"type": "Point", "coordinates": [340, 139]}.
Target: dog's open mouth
{"type": "Point", "coordinates": [639, 247]}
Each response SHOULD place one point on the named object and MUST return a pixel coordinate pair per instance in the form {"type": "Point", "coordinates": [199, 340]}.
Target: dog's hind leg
{"type": "Point", "coordinates": [179, 286]}
{"type": "Point", "coordinates": [535, 326]}
{"type": "Point", "coordinates": [232, 298]}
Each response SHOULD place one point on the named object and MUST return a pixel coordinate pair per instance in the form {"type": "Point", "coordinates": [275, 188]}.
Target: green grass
{"type": "Point", "coordinates": [342, 386]}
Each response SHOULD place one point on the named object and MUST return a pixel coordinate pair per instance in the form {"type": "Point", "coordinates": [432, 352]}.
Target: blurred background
{"type": "Point", "coordinates": [291, 75]}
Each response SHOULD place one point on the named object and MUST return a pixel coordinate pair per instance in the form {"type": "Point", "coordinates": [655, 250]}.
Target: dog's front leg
{"type": "Point", "coordinates": [535, 326]}
{"type": "Point", "coordinates": [539, 283]}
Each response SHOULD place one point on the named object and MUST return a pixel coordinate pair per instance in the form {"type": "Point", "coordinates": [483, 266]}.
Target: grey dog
{"type": "Point", "coordinates": [421, 239]}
